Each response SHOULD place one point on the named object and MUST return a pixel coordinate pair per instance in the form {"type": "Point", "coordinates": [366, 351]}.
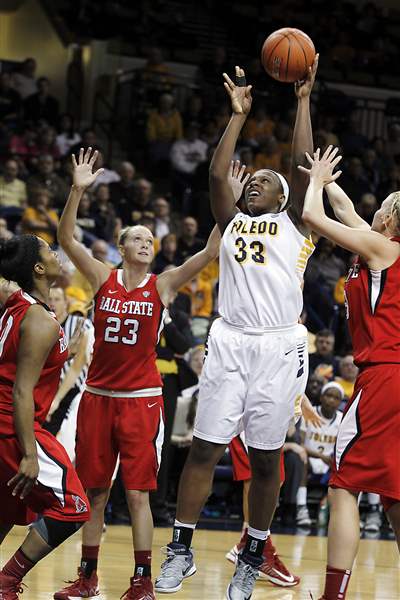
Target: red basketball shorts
{"type": "Point", "coordinates": [59, 493]}
{"type": "Point", "coordinates": [132, 428]}
{"type": "Point", "coordinates": [241, 464]}
{"type": "Point", "coordinates": [368, 444]}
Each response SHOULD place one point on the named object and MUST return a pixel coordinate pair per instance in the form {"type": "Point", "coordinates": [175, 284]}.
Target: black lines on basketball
{"type": "Point", "coordinates": [287, 58]}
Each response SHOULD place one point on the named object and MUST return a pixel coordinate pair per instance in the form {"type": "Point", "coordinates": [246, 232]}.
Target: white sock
{"type": "Point", "coordinates": [187, 525]}
{"type": "Point", "coordinates": [258, 534]}
{"type": "Point", "coordinates": [301, 496]}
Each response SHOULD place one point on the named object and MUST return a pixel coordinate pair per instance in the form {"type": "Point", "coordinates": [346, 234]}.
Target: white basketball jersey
{"type": "Point", "coordinates": [262, 264]}
{"type": "Point", "coordinates": [322, 439]}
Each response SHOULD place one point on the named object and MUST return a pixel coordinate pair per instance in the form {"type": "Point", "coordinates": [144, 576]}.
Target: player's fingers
{"type": "Point", "coordinates": [247, 177]}
{"type": "Point", "coordinates": [315, 63]}
{"type": "Point", "coordinates": [248, 91]}
{"type": "Point", "coordinates": [19, 485]}
{"type": "Point", "coordinates": [74, 163]}
{"type": "Point", "coordinates": [87, 154]}
{"type": "Point", "coordinates": [98, 172]}
{"type": "Point", "coordinates": [336, 175]}
{"type": "Point", "coordinates": [317, 153]}
{"type": "Point", "coordinates": [228, 81]}
{"type": "Point", "coordinates": [80, 160]}
{"type": "Point", "coordinates": [336, 161]}
{"type": "Point", "coordinates": [236, 168]}
{"type": "Point", "coordinates": [308, 157]}
{"type": "Point", "coordinates": [327, 152]}
{"type": "Point", "coordinates": [13, 480]}
{"type": "Point", "coordinates": [29, 483]}
{"type": "Point", "coordinates": [303, 169]}
{"type": "Point", "coordinates": [242, 170]}
{"type": "Point", "coordinates": [228, 89]}
{"type": "Point", "coordinates": [93, 158]}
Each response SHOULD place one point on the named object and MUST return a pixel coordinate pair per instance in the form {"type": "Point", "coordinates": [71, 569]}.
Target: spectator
{"type": "Point", "coordinates": [314, 386]}
{"type": "Point", "coordinates": [324, 270]}
{"type": "Point", "coordinates": [23, 80]}
{"type": "Point", "coordinates": [373, 168]}
{"type": "Point", "coordinates": [175, 341]}
{"type": "Point", "coordinates": [186, 155]}
{"type": "Point", "coordinates": [123, 192]}
{"type": "Point", "coordinates": [143, 199]}
{"type": "Point", "coordinates": [194, 110]}
{"type": "Point", "coordinates": [167, 255]}
{"type": "Point", "coordinates": [352, 141]}
{"type": "Point", "coordinates": [164, 127]}
{"type": "Point", "coordinates": [323, 360]}
{"type": "Point", "coordinates": [393, 141]}
{"type": "Point", "coordinates": [12, 190]}
{"type": "Point", "coordinates": [48, 179]}
{"type": "Point", "coordinates": [103, 213]}
{"type": "Point", "coordinates": [188, 242]}
{"type": "Point", "coordinates": [38, 218]}
{"type": "Point", "coordinates": [161, 209]}
{"type": "Point", "coordinates": [210, 70]}
{"type": "Point", "coordinates": [46, 142]}
{"type": "Point", "coordinates": [200, 293]}
{"type": "Point", "coordinates": [78, 286]}
{"type": "Point", "coordinates": [367, 207]}
{"type": "Point", "coordinates": [348, 372]}
{"type": "Point", "coordinates": [23, 145]}
{"type": "Point", "coordinates": [283, 136]}
{"type": "Point", "coordinates": [390, 182]}
{"type": "Point", "coordinates": [258, 127]}
{"type": "Point", "coordinates": [41, 105]}
{"type": "Point", "coordinates": [85, 220]}
{"type": "Point", "coordinates": [10, 100]}
{"type": "Point", "coordinates": [89, 139]}
{"type": "Point", "coordinates": [67, 136]}
{"type": "Point", "coordinates": [5, 234]}
{"type": "Point", "coordinates": [343, 53]}
{"type": "Point", "coordinates": [247, 158]}
{"type": "Point", "coordinates": [269, 155]}
{"type": "Point", "coordinates": [319, 444]}
{"type": "Point", "coordinates": [156, 75]}
{"type": "Point", "coordinates": [107, 176]}
{"type": "Point", "coordinates": [354, 180]}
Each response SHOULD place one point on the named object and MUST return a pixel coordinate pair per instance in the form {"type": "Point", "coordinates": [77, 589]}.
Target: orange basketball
{"type": "Point", "coordinates": [287, 54]}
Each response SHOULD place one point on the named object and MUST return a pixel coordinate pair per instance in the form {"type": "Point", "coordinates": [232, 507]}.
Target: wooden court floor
{"type": "Point", "coordinates": [376, 575]}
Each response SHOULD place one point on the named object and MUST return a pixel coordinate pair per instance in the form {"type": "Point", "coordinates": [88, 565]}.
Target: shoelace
{"type": "Point", "coordinates": [245, 576]}
{"type": "Point", "coordinates": [18, 589]}
{"type": "Point", "coordinates": [279, 564]}
{"type": "Point", "coordinates": [172, 567]}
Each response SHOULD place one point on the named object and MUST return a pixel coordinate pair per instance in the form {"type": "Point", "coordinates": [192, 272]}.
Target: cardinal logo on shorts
{"type": "Point", "coordinates": [80, 505]}
{"type": "Point", "coordinates": [146, 294]}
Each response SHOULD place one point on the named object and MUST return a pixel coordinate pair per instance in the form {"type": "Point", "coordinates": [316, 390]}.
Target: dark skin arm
{"type": "Point", "coordinates": [221, 196]}
{"type": "Point", "coordinates": [302, 141]}
{"type": "Point", "coordinates": [39, 331]}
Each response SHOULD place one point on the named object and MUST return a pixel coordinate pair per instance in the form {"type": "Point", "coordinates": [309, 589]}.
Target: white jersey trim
{"type": "Point", "coordinates": [140, 285]}
{"type": "Point", "coordinates": [144, 393]}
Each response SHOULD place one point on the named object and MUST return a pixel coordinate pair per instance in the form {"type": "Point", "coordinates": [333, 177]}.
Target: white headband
{"type": "Point", "coordinates": [285, 187]}
{"type": "Point", "coordinates": [333, 384]}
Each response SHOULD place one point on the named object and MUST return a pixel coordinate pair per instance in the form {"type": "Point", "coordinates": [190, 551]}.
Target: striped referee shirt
{"type": "Point", "coordinates": [69, 326]}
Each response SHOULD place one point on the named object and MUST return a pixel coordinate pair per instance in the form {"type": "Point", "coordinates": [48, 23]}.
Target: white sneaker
{"type": "Point", "coordinates": [373, 522]}
{"type": "Point", "coordinates": [303, 516]}
{"type": "Point", "coordinates": [232, 555]}
{"type": "Point", "coordinates": [243, 580]}
{"type": "Point", "coordinates": [178, 565]}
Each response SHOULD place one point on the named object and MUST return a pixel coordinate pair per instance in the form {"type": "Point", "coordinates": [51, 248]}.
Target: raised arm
{"type": "Point", "coordinates": [41, 332]}
{"type": "Point", "coordinates": [344, 208]}
{"type": "Point", "coordinates": [94, 270]}
{"type": "Point", "coordinates": [168, 283]}
{"type": "Point", "coordinates": [221, 197]}
{"type": "Point", "coordinates": [378, 251]}
{"type": "Point", "coordinates": [302, 142]}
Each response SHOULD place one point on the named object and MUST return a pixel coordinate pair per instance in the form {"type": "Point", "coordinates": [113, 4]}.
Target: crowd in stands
{"type": "Point", "coordinates": [168, 192]}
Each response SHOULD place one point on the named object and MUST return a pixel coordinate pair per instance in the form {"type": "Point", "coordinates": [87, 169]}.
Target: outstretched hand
{"type": "Point", "coordinates": [304, 87]}
{"type": "Point", "coordinates": [321, 169]}
{"type": "Point", "coordinates": [240, 95]}
{"type": "Point", "coordinates": [237, 178]}
{"type": "Point", "coordinates": [83, 175]}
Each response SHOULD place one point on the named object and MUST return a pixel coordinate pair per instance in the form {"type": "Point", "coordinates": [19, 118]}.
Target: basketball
{"type": "Point", "coordinates": [287, 54]}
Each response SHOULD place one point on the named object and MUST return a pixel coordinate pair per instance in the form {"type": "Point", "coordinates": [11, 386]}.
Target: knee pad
{"type": "Point", "coordinates": [56, 532]}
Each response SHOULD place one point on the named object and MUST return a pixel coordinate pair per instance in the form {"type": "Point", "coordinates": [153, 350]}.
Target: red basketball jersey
{"type": "Point", "coordinates": [373, 312]}
{"type": "Point", "coordinates": [127, 327]}
{"type": "Point", "coordinates": [46, 387]}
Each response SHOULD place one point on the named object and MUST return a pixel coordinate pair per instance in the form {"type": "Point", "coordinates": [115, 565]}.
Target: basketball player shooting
{"type": "Point", "coordinates": [250, 374]}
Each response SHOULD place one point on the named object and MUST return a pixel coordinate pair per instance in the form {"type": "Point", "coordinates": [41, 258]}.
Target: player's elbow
{"type": "Point", "coordinates": [216, 174]}
{"type": "Point", "coordinates": [307, 217]}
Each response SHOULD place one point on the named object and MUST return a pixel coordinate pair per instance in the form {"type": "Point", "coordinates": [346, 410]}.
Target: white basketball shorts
{"type": "Point", "coordinates": [249, 383]}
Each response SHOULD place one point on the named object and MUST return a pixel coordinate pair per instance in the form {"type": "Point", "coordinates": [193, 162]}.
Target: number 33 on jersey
{"type": "Point", "coordinates": [262, 264]}
{"type": "Point", "coordinates": [130, 323]}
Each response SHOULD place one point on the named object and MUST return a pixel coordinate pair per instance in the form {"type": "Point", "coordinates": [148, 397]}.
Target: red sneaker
{"type": "Point", "coordinates": [141, 589]}
{"type": "Point", "coordinates": [83, 587]}
{"type": "Point", "coordinates": [9, 587]}
{"type": "Point", "coordinates": [274, 570]}
{"type": "Point", "coordinates": [232, 555]}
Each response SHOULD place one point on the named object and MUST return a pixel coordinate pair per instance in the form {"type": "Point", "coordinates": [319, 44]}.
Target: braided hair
{"type": "Point", "coordinates": [18, 257]}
